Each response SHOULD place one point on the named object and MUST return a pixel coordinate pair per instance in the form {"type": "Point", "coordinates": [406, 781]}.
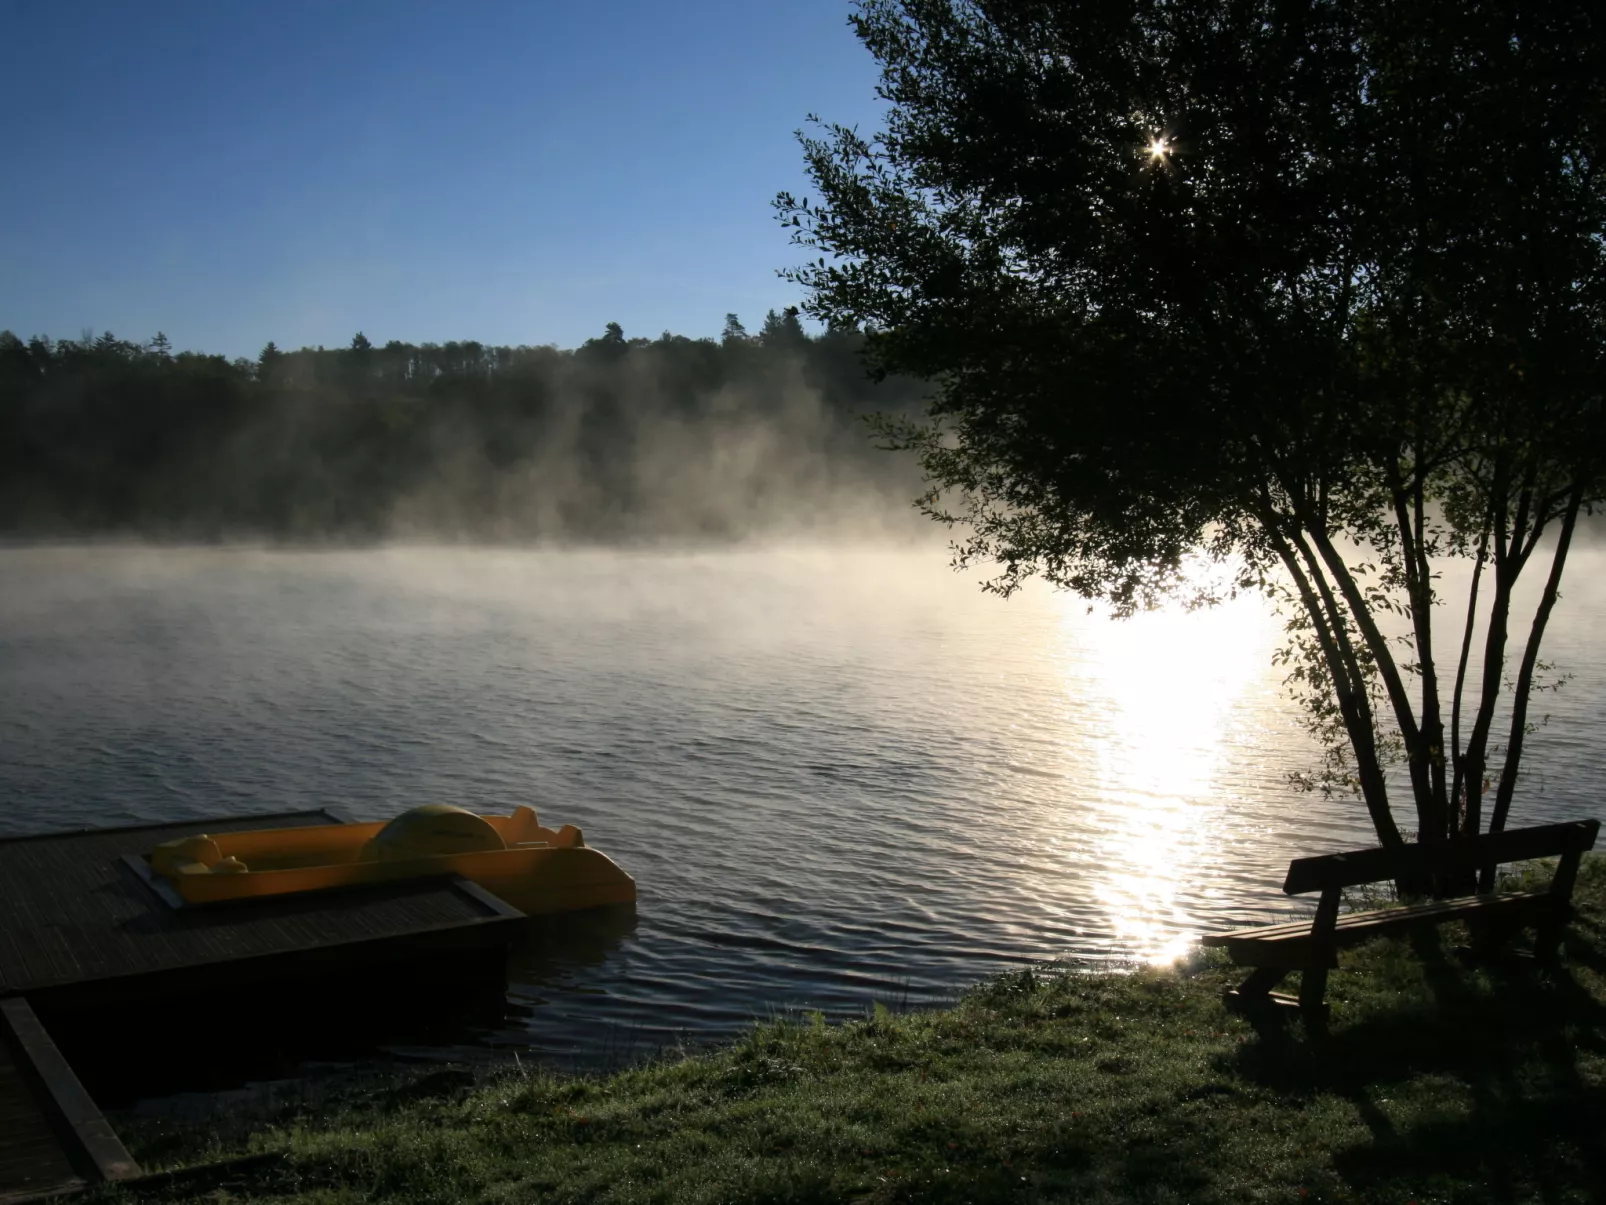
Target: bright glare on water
{"type": "Point", "coordinates": [838, 777]}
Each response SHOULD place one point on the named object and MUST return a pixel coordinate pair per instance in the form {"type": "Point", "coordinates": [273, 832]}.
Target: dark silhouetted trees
{"type": "Point", "coordinates": [620, 438]}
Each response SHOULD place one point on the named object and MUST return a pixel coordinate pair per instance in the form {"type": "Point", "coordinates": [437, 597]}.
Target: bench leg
{"type": "Point", "coordinates": [1548, 931]}
{"type": "Point", "coordinates": [1255, 991]}
{"type": "Point", "coordinates": [1491, 934]}
{"type": "Point", "coordinates": [1312, 990]}
{"type": "Point", "coordinates": [1547, 946]}
{"type": "Point", "coordinates": [1547, 940]}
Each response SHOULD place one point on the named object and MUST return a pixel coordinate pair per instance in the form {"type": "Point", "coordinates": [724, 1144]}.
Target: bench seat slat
{"type": "Point", "coordinates": [1356, 926]}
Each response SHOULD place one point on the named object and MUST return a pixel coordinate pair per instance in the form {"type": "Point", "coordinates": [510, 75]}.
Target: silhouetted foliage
{"type": "Point", "coordinates": [619, 438]}
{"type": "Point", "coordinates": [1315, 288]}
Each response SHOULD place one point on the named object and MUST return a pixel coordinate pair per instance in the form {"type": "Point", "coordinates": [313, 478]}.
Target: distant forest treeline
{"type": "Point", "coordinates": [617, 439]}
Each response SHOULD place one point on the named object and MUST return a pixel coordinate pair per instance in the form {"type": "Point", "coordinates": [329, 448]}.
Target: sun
{"type": "Point", "coordinates": [1159, 148]}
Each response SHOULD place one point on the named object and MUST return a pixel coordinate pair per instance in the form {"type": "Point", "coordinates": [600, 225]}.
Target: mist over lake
{"type": "Point", "coordinates": [839, 775]}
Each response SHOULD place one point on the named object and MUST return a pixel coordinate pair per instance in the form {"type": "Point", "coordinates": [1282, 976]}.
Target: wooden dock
{"type": "Point", "coordinates": [34, 1159]}
{"type": "Point", "coordinates": [146, 997]}
{"type": "Point", "coordinates": [54, 1137]}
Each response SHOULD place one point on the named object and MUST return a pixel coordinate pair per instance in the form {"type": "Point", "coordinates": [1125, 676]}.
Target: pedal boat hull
{"type": "Point", "coordinates": [534, 869]}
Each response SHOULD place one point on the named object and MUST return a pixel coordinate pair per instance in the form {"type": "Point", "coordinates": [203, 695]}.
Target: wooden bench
{"type": "Point", "coordinates": [1311, 947]}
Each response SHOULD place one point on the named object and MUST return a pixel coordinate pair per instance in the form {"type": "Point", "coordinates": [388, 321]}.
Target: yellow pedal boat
{"type": "Point", "coordinates": [537, 870]}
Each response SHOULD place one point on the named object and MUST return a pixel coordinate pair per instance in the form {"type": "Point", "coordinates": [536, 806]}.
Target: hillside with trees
{"type": "Point", "coordinates": [618, 439]}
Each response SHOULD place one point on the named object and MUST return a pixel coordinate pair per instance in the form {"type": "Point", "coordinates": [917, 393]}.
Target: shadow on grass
{"type": "Point", "coordinates": [1480, 1076]}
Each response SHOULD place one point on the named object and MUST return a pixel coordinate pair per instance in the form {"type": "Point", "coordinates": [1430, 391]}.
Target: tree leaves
{"type": "Point", "coordinates": [1359, 300]}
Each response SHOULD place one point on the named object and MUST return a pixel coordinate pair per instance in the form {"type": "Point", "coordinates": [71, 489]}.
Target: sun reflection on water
{"type": "Point", "coordinates": [1170, 688]}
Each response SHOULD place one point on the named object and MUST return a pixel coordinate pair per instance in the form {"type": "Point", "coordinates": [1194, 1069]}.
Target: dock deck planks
{"type": "Point", "coordinates": [73, 915]}
{"type": "Point", "coordinates": [82, 933]}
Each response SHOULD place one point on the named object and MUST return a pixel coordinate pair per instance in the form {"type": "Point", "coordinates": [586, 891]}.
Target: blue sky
{"type": "Point", "coordinates": [232, 172]}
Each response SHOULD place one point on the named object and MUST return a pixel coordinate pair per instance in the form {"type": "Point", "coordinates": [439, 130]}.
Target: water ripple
{"type": "Point", "coordinates": [838, 777]}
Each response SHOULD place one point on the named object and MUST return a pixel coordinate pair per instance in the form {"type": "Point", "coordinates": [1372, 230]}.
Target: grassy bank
{"type": "Point", "coordinates": [1438, 1081]}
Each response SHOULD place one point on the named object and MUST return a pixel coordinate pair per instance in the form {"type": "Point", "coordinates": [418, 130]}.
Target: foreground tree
{"type": "Point", "coordinates": [1317, 289]}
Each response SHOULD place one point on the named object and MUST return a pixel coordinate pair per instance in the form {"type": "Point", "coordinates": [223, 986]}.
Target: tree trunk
{"type": "Point", "coordinates": [1378, 646]}
{"type": "Point", "coordinates": [1348, 686]}
{"type": "Point", "coordinates": [1525, 675]}
{"type": "Point", "coordinates": [1458, 782]}
{"type": "Point", "coordinates": [1494, 658]}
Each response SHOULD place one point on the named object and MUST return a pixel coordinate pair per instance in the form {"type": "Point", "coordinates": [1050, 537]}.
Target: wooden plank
{"type": "Point", "coordinates": [1355, 867]}
{"type": "Point", "coordinates": [96, 1141]}
{"type": "Point", "coordinates": [1298, 952]}
{"type": "Point", "coordinates": [1358, 926]}
{"type": "Point", "coordinates": [33, 1160]}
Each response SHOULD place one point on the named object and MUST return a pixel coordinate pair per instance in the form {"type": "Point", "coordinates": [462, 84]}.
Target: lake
{"type": "Point", "coordinates": [839, 776]}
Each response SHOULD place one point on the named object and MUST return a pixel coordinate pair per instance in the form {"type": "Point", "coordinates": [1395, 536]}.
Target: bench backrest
{"type": "Point", "coordinates": [1421, 861]}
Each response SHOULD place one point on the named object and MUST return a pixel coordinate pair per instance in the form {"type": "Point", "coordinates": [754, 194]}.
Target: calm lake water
{"type": "Point", "coordinates": [837, 776]}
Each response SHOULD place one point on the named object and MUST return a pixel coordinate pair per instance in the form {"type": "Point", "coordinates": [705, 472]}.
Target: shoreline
{"type": "Point", "coordinates": [1437, 1080]}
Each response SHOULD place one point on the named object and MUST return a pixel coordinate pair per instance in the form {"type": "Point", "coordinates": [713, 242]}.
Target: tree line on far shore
{"type": "Point", "coordinates": [618, 439]}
